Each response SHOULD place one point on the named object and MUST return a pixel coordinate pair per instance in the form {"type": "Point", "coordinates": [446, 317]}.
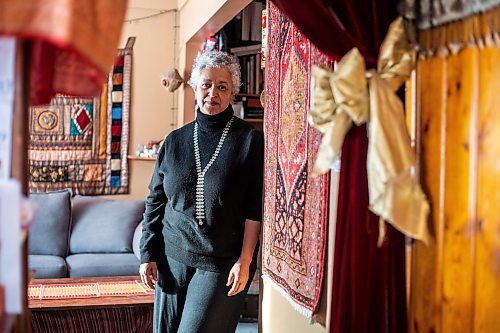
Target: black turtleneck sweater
{"type": "Point", "coordinates": [233, 193]}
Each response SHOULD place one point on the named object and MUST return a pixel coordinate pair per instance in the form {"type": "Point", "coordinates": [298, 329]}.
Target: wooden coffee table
{"type": "Point", "coordinates": [92, 313]}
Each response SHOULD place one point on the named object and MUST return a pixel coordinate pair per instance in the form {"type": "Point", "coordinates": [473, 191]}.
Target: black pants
{"type": "Point", "coordinates": [190, 300]}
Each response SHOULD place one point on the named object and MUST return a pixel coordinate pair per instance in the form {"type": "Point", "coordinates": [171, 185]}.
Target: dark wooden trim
{"type": "Point", "coordinates": [19, 167]}
{"type": "Point", "coordinates": [20, 135]}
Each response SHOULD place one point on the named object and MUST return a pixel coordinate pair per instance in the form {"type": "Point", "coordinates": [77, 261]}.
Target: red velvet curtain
{"type": "Point", "coordinates": [336, 26]}
{"type": "Point", "coordinates": [73, 43]}
{"type": "Point", "coordinates": [61, 70]}
{"type": "Point", "coordinates": [369, 282]}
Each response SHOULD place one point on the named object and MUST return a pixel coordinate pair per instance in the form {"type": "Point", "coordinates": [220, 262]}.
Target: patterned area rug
{"type": "Point", "coordinates": [82, 143]}
{"type": "Point", "coordinates": [295, 205]}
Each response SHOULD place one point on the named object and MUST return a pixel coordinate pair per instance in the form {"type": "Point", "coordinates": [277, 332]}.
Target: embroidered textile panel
{"type": "Point", "coordinates": [82, 143]}
{"type": "Point", "coordinates": [295, 205]}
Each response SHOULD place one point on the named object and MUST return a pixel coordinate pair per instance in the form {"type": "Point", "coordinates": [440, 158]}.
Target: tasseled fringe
{"type": "Point", "coordinates": [299, 308]}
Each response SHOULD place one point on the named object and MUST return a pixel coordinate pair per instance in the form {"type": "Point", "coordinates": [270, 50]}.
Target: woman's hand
{"type": "Point", "coordinates": [149, 273]}
{"type": "Point", "coordinates": [238, 277]}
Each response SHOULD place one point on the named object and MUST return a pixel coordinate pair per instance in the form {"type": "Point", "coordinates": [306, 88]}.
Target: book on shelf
{"type": "Point", "coordinates": [248, 107]}
{"type": "Point", "coordinates": [245, 50]}
{"type": "Point", "coordinates": [253, 111]}
{"type": "Point", "coordinates": [251, 75]}
{"type": "Point", "coordinates": [244, 38]}
{"type": "Point", "coordinates": [245, 24]}
{"type": "Point", "coordinates": [253, 102]}
{"type": "Point", "coordinates": [263, 51]}
{"type": "Point", "coordinates": [251, 22]}
{"type": "Point", "coordinates": [256, 23]}
{"type": "Point", "coordinates": [252, 108]}
{"type": "Point", "coordinates": [259, 83]}
{"type": "Point", "coordinates": [253, 116]}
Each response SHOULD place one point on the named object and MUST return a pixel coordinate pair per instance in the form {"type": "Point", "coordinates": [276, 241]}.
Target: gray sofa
{"type": "Point", "coordinates": [84, 236]}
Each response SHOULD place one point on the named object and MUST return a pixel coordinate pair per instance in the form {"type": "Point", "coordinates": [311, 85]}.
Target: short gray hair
{"type": "Point", "coordinates": [216, 59]}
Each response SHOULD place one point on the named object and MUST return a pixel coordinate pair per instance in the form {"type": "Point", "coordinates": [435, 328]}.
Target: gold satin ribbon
{"type": "Point", "coordinates": [350, 94]}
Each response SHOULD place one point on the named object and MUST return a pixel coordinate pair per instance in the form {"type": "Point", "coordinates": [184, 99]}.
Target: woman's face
{"type": "Point", "coordinates": [214, 90]}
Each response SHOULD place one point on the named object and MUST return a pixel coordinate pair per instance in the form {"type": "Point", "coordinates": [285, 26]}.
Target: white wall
{"type": "Point", "coordinates": [153, 109]}
{"type": "Point", "coordinates": [278, 315]}
{"type": "Point", "coordinates": [165, 41]}
{"type": "Point", "coordinates": [161, 44]}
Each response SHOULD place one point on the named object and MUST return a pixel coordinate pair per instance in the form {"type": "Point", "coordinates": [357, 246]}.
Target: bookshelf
{"type": "Point", "coordinates": [242, 37]}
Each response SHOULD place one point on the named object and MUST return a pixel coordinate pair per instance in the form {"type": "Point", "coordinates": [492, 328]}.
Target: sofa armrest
{"type": "Point", "coordinates": [137, 240]}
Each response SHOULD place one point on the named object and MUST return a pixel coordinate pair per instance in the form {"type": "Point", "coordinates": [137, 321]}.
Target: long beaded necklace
{"type": "Point", "coordinates": [200, 183]}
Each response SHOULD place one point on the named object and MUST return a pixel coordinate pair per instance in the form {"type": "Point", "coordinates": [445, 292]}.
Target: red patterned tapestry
{"type": "Point", "coordinates": [82, 143]}
{"type": "Point", "coordinates": [295, 205]}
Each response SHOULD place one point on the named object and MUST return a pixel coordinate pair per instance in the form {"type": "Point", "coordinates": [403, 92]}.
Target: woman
{"type": "Point", "coordinates": [203, 213]}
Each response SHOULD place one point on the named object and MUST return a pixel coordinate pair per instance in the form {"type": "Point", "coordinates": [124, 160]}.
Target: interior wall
{"type": "Point", "coordinates": [162, 42]}
{"type": "Point", "coordinates": [278, 315]}
{"type": "Point", "coordinates": [153, 109]}
{"type": "Point", "coordinates": [197, 21]}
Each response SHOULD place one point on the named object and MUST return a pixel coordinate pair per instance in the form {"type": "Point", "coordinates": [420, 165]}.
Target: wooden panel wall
{"type": "Point", "coordinates": [455, 282]}
{"type": "Point", "coordinates": [487, 250]}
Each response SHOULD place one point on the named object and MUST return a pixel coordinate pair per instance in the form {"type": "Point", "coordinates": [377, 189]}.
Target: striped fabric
{"type": "Point", "coordinates": [126, 319]}
{"type": "Point", "coordinates": [86, 290]}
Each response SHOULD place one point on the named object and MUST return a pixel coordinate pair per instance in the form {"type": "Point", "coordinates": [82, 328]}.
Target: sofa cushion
{"type": "Point", "coordinates": [102, 264]}
{"type": "Point", "coordinates": [49, 233]}
{"type": "Point", "coordinates": [104, 226]}
{"type": "Point", "coordinates": [136, 242]}
{"type": "Point", "coordinates": [47, 267]}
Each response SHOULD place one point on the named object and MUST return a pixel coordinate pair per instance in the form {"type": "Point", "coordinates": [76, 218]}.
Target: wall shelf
{"type": "Point", "coordinates": [252, 120]}
{"type": "Point", "coordinates": [247, 95]}
{"type": "Point", "coordinates": [139, 158]}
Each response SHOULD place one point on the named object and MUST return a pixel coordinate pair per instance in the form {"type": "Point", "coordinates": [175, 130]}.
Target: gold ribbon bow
{"type": "Point", "coordinates": [352, 94]}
